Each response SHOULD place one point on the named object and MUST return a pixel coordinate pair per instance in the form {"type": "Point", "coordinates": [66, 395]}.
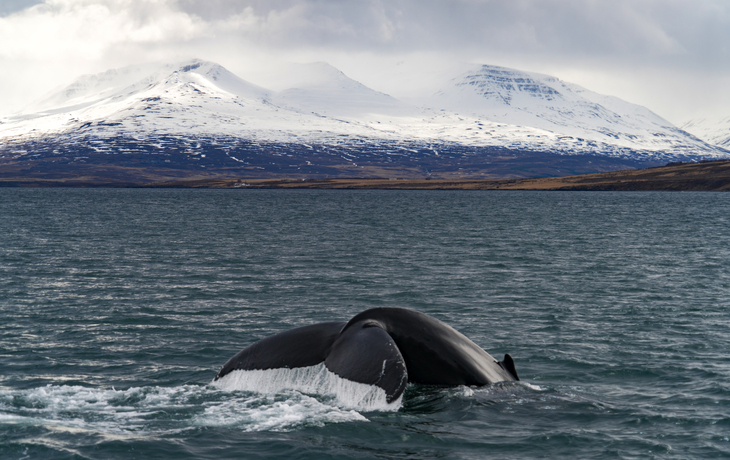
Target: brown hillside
{"type": "Point", "coordinates": [705, 176]}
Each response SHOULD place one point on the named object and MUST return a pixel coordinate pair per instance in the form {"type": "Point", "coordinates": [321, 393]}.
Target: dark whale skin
{"type": "Point", "coordinates": [387, 347]}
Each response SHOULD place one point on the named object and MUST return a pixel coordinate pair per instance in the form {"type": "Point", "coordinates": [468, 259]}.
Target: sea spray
{"type": "Point", "coordinates": [310, 380]}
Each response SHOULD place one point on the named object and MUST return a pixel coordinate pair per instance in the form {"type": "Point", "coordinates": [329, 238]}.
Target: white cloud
{"type": "Point", "coordinates": [71, 29]}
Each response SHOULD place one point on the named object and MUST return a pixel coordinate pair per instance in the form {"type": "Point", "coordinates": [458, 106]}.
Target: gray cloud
{"type": "Point", "coordinates": [570, 29]}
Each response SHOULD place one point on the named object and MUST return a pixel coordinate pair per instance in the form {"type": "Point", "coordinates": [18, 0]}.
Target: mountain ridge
{"type": "Point", "coordinates": [196, 114]}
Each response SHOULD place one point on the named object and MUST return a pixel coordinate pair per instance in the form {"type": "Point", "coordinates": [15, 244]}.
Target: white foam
{"type": "Point", "coordinates": [531, 386]}
{"type": "Point", "coordinates": [281, 400]}
{"type": "Point", "coordinates": [281, 412]}
{"type": "Point", "coordinates": [103, 411]}
{"type": "Point", "coordinates": [312, 380]}
{"type": "Point", "coordinates": [152, 411]}
{"type": "Point", "coordinates": [465, 391]}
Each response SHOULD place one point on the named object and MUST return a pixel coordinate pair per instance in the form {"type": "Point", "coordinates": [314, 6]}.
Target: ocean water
{"type": "Point", "coordinates": [118, 307]}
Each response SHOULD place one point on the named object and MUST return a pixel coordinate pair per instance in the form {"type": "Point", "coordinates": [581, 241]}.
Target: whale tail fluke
{"type": "Point", "coordinates": [382, 347]}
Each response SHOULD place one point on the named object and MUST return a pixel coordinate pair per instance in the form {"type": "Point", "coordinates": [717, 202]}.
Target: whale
{"type": "Point", "coordinates": [387, 347]}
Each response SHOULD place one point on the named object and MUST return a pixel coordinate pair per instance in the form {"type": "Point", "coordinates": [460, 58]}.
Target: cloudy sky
{"type": "Point", "coordinates": [672, 56]}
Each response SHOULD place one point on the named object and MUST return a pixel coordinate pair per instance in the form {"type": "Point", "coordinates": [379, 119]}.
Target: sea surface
{"type": "Point", "coordinates": [118, 307]}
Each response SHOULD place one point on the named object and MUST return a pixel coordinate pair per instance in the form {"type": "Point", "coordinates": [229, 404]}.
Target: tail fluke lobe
{"type": "Point", "coordinates": [365, 353]}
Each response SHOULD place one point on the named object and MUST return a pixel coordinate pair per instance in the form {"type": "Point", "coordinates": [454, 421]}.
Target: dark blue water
{"type": "Point", "coordinates": [118, 307]}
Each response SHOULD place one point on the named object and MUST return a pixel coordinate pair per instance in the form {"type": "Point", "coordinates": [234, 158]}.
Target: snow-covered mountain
{"type": "Point", "coordinates": [182, 111]}
{"type": "Point", "coordinates": [540, 101]}
{"type": "Point", "coordinates": [168, 97]}
{"type": "Point", "coordinates": [715, 131]}
{"type": "Point", "coordinates": [201, 98]}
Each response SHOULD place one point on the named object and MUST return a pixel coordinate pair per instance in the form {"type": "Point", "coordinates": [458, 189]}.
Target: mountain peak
{"type": "Point", "coordinates": [197, 70]}
{"type": "Point", "coordinates": [136, 80]}
{"type": "Point", "coordinates": [500, 83]}
{"type": "Point", "coordinates": [199, 66]}
{"type": "Point", "coordinates": [322, 88]}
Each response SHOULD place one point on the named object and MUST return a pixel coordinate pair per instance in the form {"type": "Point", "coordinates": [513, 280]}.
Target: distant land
{"type": "Point", "coordinates": [136, 169]}
{"type": "Point", "coordinates": [703, 176]}
{"type": "Point", "coordinates": [195, 120]}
